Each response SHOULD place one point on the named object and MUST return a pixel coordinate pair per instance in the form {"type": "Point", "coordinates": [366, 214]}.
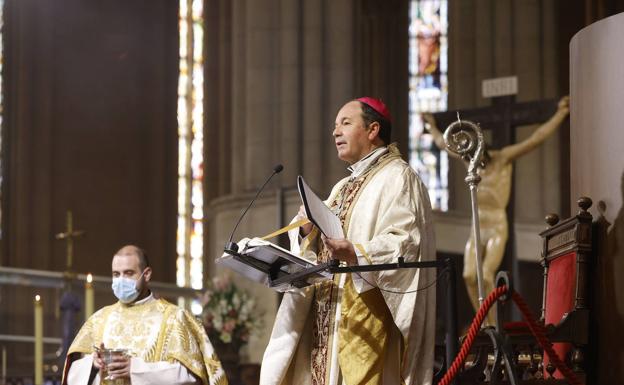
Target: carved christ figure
{"type": "Point", "coordinates": [492, 197]}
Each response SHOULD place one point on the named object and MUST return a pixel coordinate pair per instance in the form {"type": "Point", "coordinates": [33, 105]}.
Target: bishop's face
{"type": "Point", "coordinates": [353, 139]}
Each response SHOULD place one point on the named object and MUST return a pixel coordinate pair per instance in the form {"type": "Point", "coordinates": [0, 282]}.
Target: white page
{"type": "Point", "coordinates": [263, 253]}
{"type": "Point", "coordinates": [269, 252]}
{"type": "Point", "coordinates": [318, 213]}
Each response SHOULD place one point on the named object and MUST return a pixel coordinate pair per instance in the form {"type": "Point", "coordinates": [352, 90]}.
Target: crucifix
{"type": "Point", "coordinates": [495, 191]}
{"type": "Point", "coordinates": [68, 235]}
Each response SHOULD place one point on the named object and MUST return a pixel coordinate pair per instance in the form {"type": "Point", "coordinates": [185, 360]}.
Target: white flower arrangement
{"type": "Point", "coordinates": [228, 312]}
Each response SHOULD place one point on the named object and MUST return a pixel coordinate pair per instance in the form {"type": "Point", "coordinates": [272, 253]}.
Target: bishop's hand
{"type": "Point", "coordinates": [341, 249]}
{"type": "Point", "coordinates": [307, 228]}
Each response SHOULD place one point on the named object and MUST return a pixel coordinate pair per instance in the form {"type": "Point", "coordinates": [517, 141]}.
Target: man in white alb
{"type": "Point", "coordinates": [367, 328]}
{"type": "Point", "coordinates": [166, 344]}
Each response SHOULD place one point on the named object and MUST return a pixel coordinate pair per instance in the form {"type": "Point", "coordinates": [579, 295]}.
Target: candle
{"type": "Point", "coordinates": [89, 296]}
{"type": "Point", "coordinates": [38, 341]}
{"type": "Point", "coordinates": [4, 358]}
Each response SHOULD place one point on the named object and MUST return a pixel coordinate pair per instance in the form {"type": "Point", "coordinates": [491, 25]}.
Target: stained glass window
{"type": "Point", "coordinates": [190, 243]}
{"type": "Point", "coordinates": [428, 92]}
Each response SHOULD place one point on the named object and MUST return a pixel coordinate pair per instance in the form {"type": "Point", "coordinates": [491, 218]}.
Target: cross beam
{"type": "Point", "coordinates": [68, 235]}
{"type": "Point", "coordinates": [502, 117]}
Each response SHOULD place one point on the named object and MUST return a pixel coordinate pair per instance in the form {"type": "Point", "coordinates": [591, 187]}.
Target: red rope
{"type": "Point", "coordinates": [472, 334]}
{"type": "Point", "coordinates": [539, 332]}
{"type": "Point", "coordinates": [536, 328]}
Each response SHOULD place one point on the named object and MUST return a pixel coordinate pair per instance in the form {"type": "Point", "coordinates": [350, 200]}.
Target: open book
{"type": "Point", "coordinates": [271, 265]}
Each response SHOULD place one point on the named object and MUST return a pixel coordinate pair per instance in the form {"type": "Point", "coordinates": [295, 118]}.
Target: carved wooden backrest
{"type": "Point", "coordinates": [565, 257]}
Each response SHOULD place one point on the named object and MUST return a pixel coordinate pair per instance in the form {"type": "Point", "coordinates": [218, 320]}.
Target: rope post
{"type": "Point", "coordinates": [502, 279]}
{"type": "Point", "coordinates": [451, 314]}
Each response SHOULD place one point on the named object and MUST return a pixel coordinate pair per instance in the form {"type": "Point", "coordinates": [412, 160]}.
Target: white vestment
{"type": "Point", "coordinates": [391, 218]}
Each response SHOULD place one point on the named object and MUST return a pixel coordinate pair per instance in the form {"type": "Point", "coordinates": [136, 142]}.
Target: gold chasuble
{"type": "Point", "coordinates": [153, 331]}
{"type": "Point", "coordinates": [372, 327]}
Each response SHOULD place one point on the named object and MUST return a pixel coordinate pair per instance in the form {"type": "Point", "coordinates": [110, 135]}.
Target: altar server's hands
{"type": "Point", "coordinates": [98, 360]}
{"type": "Point", "coordinates": [120, 367]}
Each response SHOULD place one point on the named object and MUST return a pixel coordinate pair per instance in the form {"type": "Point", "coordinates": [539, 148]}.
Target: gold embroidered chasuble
{"type": "Point", "coordinates": [364, 318]}
{"type": "Point", "coordinates": [153, 331]}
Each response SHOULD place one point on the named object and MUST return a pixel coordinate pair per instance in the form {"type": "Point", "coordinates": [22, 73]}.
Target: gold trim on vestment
{"type": "Point", "coordinates": [324, 310]}
{"type": "Point", "coordinates": [161, 336]}
{"type": "Point", "coordinates": [308, 240]}
{"type": "Point", "coordinates": [363, 335]}
{"type": "Point", "coordinates": [392, 154]}
{"type": "Point", "coordinates": [362, 251]}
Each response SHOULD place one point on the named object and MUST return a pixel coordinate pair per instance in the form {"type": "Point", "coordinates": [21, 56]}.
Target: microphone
{"type": "Point", "coordinates": [231, 246]}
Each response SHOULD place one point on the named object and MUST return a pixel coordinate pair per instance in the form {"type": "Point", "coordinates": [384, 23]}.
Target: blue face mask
{"type": "Point", "coordinates": [125, 289]}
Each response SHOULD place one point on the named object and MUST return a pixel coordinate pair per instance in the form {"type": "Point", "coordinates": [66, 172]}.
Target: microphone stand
{"type": "Point", "coordinates": [231, 246]}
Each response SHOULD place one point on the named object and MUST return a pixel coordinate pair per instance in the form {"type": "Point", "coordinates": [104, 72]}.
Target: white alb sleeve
{"type": "Point", "coordinates": [80, 370]}
{"type": "Point", "coordinates": [156, 373]}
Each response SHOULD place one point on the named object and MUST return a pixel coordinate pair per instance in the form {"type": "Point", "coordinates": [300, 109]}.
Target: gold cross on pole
{"type": "Point", "coordinates": [69, 236]}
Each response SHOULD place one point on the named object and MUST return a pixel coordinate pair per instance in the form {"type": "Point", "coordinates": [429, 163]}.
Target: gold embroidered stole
{"type": "Point", "coordinates": [362, 332]}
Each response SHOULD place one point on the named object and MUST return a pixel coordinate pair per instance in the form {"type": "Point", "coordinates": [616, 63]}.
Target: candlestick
{"type": "Point", "coordinates": [4, 359]}
{"type": "Point", "coordinates": [89, 296]}
{"type": "Point", "coordinates": [38, 341]}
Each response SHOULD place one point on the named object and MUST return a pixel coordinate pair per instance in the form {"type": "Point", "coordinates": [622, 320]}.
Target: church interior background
{"type": "Point", "coordinates": [154, 122]}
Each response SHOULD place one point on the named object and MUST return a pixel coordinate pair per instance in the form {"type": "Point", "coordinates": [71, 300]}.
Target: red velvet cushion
{"type": "Point", "coordinates": [561, 286]}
